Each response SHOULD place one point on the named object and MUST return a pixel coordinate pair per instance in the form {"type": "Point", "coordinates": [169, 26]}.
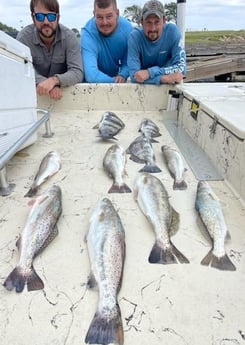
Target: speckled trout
{"type": "Point", "coordinates": [211, 214]}
{"type": "Point", "coordinates": [153, 200]}
{"type": "Point", "coordinates": [114, 163]}
{"type": "Point", "coordinates": [106, 247]}
{"type": "Point", "coordinates": [40, 229]}
{"type": "Point", "coordinates": [49, 166]}
{"type": "Point", "coordinates": [175, 166]}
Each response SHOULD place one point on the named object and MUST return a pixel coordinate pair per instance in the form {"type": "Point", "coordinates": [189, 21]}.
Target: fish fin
{"type": "Point", "coordinates": [166, 256]}
{"type": "Point", "coordinates": [180, 185]}
{"type": "Point", "coordinates": [150, 168]}
{"type": "Point", "coordinates": [123, 188]}
{"type": "Point", "coordinates": [96, 126]}
{"type": "Point", "coordinates": [18, 243]}
{"type": "Point", "coordinates": [105, 330]}
{"type": "Point", "coordinates": [174, 227]}
{"type": "Point", "coordinates": [34, 282]}
{"type": "Point", "coordinates": [17, 279]}
{"type": "Point", "coordinates": [227, 236]}
{"type": "Point", "coordinates": [222, 263]}
{"type": "Point", "coordinates": [31, 192]}
{"type": "Point", "coordinates": [92, 283]}
{"type": "Point", "coordinates": [153, 140]}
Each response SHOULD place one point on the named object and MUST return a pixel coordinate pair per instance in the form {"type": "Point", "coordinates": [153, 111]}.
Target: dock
{"type": "Point", "coordinates": [220, 61]}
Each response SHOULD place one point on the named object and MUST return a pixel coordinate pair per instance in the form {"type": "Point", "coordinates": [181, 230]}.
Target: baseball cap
{"type": "Point", "coordinates": [153, 7]}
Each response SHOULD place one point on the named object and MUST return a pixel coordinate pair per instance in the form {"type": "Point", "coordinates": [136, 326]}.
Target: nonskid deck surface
{"type": "Point", "coordinates": [160, 304]}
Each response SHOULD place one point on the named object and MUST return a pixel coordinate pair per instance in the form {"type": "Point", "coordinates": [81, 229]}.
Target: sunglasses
{"type": "Point", "coordinates": [41, 16]}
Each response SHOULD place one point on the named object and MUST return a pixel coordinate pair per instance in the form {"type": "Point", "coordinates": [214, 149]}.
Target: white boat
{"type": "Point", "coordinates": [160, 304]}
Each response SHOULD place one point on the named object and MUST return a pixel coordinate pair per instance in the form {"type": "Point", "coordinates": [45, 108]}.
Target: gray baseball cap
{"type": "Point", "coordinates": [153, 7]}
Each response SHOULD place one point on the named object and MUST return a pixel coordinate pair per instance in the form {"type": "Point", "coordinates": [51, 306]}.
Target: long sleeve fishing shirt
{"type": "Point", "coordinates": [161, 57]}
{"type": "Point", "coordinates": [62, 60]}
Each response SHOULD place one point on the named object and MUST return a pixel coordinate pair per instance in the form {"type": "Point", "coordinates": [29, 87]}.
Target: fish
{"type": "Point", "coordinates": [40, 229]}
{"type": "Point", "coordinates": [209, 209]}
{"type": "Point", "coordinates": [49, 166]}
{"type": "Point", "coordinates": [141, 151]}
{"type": "Point", "coordinates": [109, 125]}
{"type": "Point", "coordinates": [114, 163]}
{"type": "Point", "coordinates": [149, 129]}
{"type": "Point", "coordinates": [106, 248]}
{"type": "Point", "coordinates": [153, 200]}
{"type": "Point", "coordinates": [175, 166]}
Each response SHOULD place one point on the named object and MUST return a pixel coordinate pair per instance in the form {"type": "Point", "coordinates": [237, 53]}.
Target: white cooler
{"type": "Point", "coordinates": [18, 100]}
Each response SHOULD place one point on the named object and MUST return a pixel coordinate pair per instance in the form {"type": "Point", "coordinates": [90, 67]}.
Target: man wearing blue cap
{"type": "Point", "coordinates": [155, 51]}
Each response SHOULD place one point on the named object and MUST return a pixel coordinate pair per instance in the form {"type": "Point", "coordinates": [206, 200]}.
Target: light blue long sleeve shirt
{"type": "Point", "coordinates": [164, 56]}
{"type": "Point", "coordinates": [105, 57]}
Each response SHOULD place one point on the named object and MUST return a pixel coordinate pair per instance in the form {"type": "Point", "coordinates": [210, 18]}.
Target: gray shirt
{"type": "Point", "coordinates": [63, 60]}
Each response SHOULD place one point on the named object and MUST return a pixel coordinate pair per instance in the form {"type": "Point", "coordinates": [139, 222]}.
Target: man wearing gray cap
{"type": "Point", "coordinates": [155, 51]}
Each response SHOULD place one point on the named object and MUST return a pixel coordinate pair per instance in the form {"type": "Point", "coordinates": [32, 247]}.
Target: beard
{"type": "Point", "coordinates": [153, 35]}
{"type": "Point", "coordinates": [47, 31]}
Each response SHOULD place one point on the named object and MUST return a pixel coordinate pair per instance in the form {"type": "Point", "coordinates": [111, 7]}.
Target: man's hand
{"type": "Point", "coordinates": [56, 93]}
{"type": "Point", "coordinates": [44, 87]}
{"type": "Point", "coordinates": [142, 75]}
{"type": "Point", "coordinates": [173, 78]}
{"type": "Point", "coordinates": [119, 79]}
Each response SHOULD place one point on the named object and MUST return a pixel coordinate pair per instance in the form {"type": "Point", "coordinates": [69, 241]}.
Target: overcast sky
{"type": "Point", "coordinates": [200, 14]}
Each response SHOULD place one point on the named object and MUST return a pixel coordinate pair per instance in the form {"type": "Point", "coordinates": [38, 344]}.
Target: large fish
{"type": "Point", "coordinates": [40, 229]}
{"type": "Point", "coordinates": [175, 166]}
{"type": "Point", "coordinates": [114, 163]}
{"type": "Point", "coordinates": [149, 129]}
{"type": "Point", "coordinates": [141, 151]}
{"type": "Point", "coordinates": [212, 217]}
{"type": "Point", "coordinates": [109, 125]}
{"type": "Point", "coordinates": [106, 247]}
{"type": "Point", "coordinates": [153, 200]}
{"type": "Point", "coordinates": [49, 166]}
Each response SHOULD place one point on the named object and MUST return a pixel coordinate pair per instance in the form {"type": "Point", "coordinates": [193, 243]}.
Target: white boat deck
{"type": "Point", "coordinates": [173, 304]}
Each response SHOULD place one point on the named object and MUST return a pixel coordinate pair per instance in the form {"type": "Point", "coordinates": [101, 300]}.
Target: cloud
{"type": "Point", "coordinates": [213, 15]}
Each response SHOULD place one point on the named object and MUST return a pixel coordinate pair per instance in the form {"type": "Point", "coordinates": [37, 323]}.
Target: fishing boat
{"type": "Point", "coordinates": [168, 304]}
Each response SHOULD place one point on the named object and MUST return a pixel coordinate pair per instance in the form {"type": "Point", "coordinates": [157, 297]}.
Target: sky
{"type": "Point", "coordinates": [199, 14]}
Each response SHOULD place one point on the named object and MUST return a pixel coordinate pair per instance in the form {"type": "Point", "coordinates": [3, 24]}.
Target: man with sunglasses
{"type": "Point", "coordinates": [54, 48]}
{"type": "Point", "coordinates": [104, 44]}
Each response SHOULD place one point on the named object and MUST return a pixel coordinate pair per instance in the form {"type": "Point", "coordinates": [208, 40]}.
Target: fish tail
{"type": "Point", "coordinates": [123, 188]}
{"type": "Point", "coordinates": [180, 185]}
{"type": "Point", "coordinates": [105, 329]}
{"type": "Point", "coordinates": [32, 191]}
{"type": "Point", "coordinates": [165, 256]}
{"type": "Point", "coordinates": [18, 278]}
{"type": "Point", "coordinates": [222, 263]}
{"type": "Point", "coordinates": [150, 168]}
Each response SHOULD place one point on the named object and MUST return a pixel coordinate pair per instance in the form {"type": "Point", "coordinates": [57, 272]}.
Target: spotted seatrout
{"type": "Point", "coordinates": [114, 163]}
{"type": "Point", "coordinates": [153, 200]}
{"type": "Point", "coordinates": [40, 229]}
{"type": "Point", "coordinates": [175, 166]}
{"type": "Point", "coordinates": [49, 166]}
{"type": "Point", "coordinates": [106, 247]}
{"type": "Point", "coordinates": [212, 217]}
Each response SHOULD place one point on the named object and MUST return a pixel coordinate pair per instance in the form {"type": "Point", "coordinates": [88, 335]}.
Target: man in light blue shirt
{"type": "Point", "coordinates": [155, 51]}
{"type": "Point", "coordinates": [104, 44]}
